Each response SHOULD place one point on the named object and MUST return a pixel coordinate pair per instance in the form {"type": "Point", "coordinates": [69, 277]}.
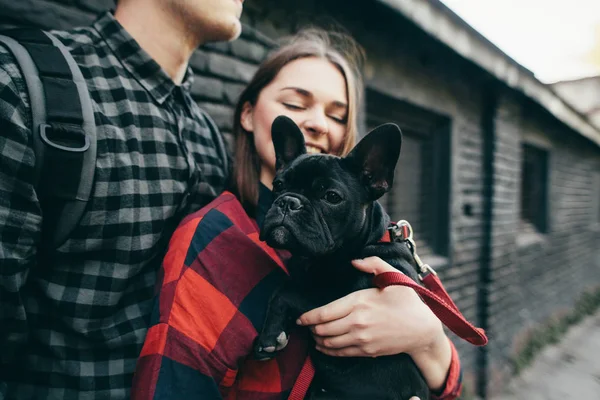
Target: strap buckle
{"type": "Point", "coordinates": [403, 231]}
{"type": "Point", "coordinates": [70, 138]}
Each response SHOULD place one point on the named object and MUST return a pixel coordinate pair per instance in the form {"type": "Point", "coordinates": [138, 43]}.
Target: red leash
{"type": "Point", "coordinates": [433, 294]}
{"type": "Point", "coordinates": [303, 382]}
{"type": "Point", "coordinates": [438, 300]}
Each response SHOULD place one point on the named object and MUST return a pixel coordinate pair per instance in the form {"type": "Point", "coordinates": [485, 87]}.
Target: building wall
{"type": "Point", "coordinates": [539, 276]}
{"type": "Point", "coordinates": [499, 277]}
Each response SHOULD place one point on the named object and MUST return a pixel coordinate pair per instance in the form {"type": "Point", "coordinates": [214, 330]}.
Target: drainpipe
{"type": "Point", "coordinates": [488, 129]}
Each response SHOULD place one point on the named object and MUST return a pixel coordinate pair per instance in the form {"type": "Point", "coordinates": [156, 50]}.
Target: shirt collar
{"type": "Point", "coordinates": [135, 60]}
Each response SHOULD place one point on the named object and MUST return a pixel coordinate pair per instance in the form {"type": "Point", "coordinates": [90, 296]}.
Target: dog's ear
{"type": "Point", "coordinates": [288, 141]}
{"type": "Point", "coordinates": [375, 157]}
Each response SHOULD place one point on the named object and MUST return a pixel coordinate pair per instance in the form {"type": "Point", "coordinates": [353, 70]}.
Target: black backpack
{"type": "Point", "coordinates": [63, 128]}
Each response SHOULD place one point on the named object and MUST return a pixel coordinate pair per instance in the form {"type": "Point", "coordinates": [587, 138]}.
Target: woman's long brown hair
{"type": "Point", "coordinates": [341, 51]}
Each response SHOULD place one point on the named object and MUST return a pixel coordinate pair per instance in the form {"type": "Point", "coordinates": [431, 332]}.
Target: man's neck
{"type": "Point", "coordinates": [160, 35]}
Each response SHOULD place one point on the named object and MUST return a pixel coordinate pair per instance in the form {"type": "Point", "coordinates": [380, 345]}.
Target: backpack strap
{"type": "Point", "coordinates": [63, 129]}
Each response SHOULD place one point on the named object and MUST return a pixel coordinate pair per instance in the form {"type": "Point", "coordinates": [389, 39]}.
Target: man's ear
{"type": "Point", "coordinates": [288, 141]}
{"type": "Point", "coordinates": [375, 157]}
{"type": "Point", "coordinates": [247, 117]}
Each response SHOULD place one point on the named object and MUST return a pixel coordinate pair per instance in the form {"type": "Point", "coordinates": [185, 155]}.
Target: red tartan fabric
{"type": "Point", "coordinates": [217, 280]}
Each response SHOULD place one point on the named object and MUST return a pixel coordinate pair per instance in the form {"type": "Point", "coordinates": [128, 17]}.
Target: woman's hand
{"type": "Point", "coordinates": [374, 322]}
{"type": "Point", "coordinates": [377, 322]}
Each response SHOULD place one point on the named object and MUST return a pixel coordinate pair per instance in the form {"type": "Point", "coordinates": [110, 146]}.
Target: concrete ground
{"type": "Point", "coordinates": [568, 370]}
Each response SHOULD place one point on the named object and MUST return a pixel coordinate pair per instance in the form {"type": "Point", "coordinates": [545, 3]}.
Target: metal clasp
{"type": "Point", "coordinates": [402, 230]}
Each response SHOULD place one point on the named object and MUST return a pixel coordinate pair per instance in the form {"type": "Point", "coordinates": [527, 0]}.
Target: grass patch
{"type": "Point", "coordinates": [553, 330]}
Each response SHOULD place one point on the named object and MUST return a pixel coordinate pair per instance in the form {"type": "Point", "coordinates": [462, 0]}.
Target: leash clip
{"type": "Point", "coordinates": [403, 231]}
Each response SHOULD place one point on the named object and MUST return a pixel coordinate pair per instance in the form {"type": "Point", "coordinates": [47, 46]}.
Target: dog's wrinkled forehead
{"type": "Point", "coordinates": [303, 171]}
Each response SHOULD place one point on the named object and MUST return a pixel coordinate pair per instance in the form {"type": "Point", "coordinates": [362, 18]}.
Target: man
{"type": "Point", "coordinates": [73, 320]}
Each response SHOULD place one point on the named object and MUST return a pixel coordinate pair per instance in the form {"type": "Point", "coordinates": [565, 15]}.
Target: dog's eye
{"type": "Point", "coordinates": [332, 197]}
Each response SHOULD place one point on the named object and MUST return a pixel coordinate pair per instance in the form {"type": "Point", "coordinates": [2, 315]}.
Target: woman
{"type": "Point", "coordinates": [213, 300]}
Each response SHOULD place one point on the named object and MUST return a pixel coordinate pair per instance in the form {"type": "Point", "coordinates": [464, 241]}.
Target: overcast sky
{"type": "Point", "coordinates": [549, 37]}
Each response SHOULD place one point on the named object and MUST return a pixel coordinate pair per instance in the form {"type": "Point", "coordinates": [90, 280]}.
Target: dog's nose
{"type": "Point", "coordinates": [289, 203]}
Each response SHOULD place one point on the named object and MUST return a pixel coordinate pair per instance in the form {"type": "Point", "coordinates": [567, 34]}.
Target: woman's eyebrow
{"type": "Point", "coordinates": [300, 91]}
{"type": "Point", "coordinates": [306, 93]}
{"type": "Point", "coordinates": [339, 104]}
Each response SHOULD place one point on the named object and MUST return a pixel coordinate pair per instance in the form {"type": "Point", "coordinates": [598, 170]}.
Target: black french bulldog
{"type": "Point", "coordinates": [326, 213]}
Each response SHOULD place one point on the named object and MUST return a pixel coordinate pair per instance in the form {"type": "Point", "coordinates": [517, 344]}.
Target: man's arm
{"type": "Point", "coordinates": [20, 213]}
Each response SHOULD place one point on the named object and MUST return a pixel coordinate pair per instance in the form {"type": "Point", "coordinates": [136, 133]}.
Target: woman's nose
{"type": "Point", "coordinates": [316, 123]}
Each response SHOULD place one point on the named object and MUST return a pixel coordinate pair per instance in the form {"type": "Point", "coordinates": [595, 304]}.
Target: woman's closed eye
{"type": "Point", "coordinates": [339, 119]}
{"type": "Point", "coordinates": [300, 107]}
{"type": "Point", "coordinates": [294, 106]}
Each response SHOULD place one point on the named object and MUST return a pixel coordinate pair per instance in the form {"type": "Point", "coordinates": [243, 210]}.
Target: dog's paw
{"type": "Point", "coordinates": [266, 347]}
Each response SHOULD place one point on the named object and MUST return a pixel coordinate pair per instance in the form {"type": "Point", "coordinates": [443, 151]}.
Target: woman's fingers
{"type": "Point", "coordinates": [330, 312]}
{"type": "Point", "coordinates": [344, 306]}
{"type": "Point", "coordinates": [334, 328]}
{"type": "Point", "coordinates": [335, 342]}
{"type": "Point", "coordinates": [373, 265]}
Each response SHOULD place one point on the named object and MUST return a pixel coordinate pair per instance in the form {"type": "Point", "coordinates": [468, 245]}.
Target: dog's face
{"type": "Point", "coordinates": [321, 201]}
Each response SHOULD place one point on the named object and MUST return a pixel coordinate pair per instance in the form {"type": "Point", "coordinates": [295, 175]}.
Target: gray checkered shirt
{"type": "Point", "coordinates": [72, 324]}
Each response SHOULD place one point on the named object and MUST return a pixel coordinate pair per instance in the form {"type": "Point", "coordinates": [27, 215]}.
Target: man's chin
{"type": "Point", "coordinates": [225, 30]}
{"type": "Point", "coordinates": [236, 31]}
{"type": "Point", "coordinates": [232, 30]}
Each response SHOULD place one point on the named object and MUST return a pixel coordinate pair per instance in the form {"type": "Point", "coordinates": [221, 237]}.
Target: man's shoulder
{"type": "Point", "coordinates": [80, 40]}
{"type": "Point", "coordinates": [76, 40]}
